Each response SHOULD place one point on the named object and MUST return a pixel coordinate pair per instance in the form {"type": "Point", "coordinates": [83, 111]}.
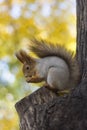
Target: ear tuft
{"type": "Point", "coordinates": [24, 57]}
{"type": "Point", "coordinates": [19, 56]}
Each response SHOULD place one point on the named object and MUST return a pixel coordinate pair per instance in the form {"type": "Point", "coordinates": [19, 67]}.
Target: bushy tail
{"type": "Point", "coordinates": [45, 49]}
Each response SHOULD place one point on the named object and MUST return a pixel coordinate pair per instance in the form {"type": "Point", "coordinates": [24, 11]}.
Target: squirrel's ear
{"type": "Point", "coordinates": [19, 56]}
{"type": "Point", "coordinates": [25, 57]}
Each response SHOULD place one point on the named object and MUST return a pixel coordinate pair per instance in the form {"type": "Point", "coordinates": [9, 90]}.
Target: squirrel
{"type": "Point", "coordinates": [54, 64]}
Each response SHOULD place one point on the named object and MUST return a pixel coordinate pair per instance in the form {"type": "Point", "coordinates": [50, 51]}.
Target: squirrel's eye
{"type": "Point", "coordinates": [27, 67]}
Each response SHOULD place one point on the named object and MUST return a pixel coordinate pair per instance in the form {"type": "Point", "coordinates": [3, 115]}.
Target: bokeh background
{"type": "Point", "coordinates": [20, 20]}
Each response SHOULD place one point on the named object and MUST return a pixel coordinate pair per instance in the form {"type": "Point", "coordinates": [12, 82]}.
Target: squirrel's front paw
{"type": "Point", "coordinates": [33, 79]}
{"type": "Point", "coordinates": [28, 79]}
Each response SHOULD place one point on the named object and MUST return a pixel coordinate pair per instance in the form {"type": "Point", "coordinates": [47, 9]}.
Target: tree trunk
{"type": "Point", "coordinates": [44, 110]}
{"type": "Point", "coordinates": [82, 35]}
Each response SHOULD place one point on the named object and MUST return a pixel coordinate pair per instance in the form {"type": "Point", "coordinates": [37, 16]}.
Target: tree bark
{"type": "Point", "coordinates": [44, 110]}
{"type": "Point", "coordinates": [82, 35]}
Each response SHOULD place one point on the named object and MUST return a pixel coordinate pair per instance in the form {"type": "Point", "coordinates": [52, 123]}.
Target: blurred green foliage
{"type": "Point", "coordinates": [21, 20]}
